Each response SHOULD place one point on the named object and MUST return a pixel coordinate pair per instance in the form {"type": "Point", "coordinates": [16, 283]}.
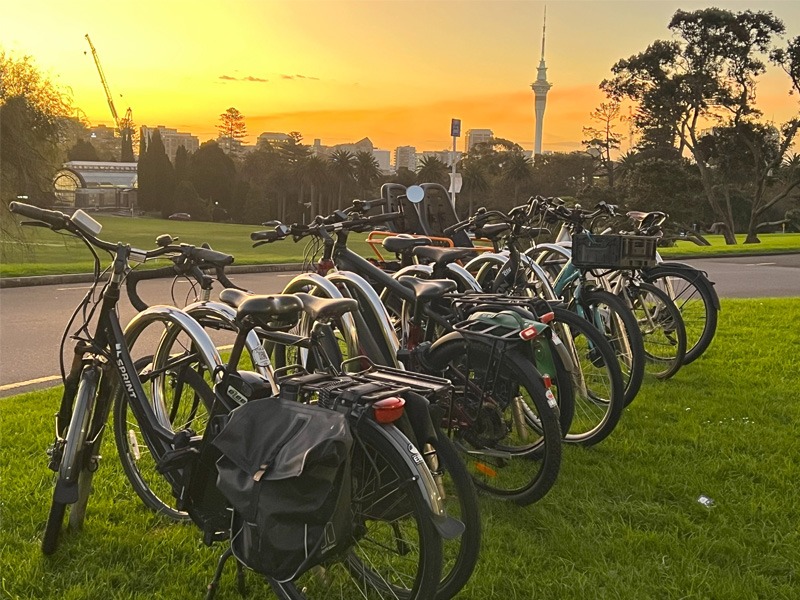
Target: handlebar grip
{"type": "Point", "coordinates": [267, 236]}
{"type": "Point", "coordinates": [391, 216]}
{"type": "Point", "coordinates": [212, 257]}
{"type": "Point", "coordinates": [54, 218]}
{"type": "Point", "coordinates": [134, 277]}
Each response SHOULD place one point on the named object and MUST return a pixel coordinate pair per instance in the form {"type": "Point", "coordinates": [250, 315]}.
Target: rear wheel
{"type": "Point", "coordinates": [397, 551]}
{"type": "Point", "coordinates": [506, 424]}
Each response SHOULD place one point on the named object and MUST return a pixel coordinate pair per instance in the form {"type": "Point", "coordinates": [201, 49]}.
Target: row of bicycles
{"type": "Point", "coordinates": [334, 437]}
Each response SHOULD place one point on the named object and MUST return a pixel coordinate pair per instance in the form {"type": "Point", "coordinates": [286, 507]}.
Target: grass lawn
{"type": "Point", "coordinates": [623, 521]}
{"type": "Point", "coordinates": [44, 253]}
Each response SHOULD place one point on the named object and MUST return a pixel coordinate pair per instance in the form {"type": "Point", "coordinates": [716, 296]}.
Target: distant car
{"type": "Point", "coordinates": [180, 217]}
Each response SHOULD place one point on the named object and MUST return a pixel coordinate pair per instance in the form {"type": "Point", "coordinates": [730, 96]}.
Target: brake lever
{"type": "Point", "coordinates": [35, 224]}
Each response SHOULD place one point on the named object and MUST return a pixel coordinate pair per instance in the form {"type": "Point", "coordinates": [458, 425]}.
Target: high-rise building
{"type": "Point", "coordinates": [476, 136]}
{"type": "Point", "coordinates": [383, 157]}
{"type": "Point", "coordinates": [172, 139]}
{"type": "Point", "coordinates": [405, 157]}
{"type": "Point", "coordinates": [540, 88]}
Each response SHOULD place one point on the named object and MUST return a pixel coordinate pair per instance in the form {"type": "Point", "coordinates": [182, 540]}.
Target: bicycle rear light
{"type": "Point", "coordinates": [528, 333]}
{"type": "Point", "coordinates": [547, 317]}
{"type": "Point", "coordinates": [547, 381]}
{"type": "Point", "coordinates": [388, 410]}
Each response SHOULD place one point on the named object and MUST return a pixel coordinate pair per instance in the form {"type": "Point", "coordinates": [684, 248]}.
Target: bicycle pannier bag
{"type": "Point", "coordinates": [285, 469]}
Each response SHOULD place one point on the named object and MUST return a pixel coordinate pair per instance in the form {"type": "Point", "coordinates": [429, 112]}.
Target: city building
{"type": "Point", "coordinates": [272, 137]}
{"type": "Point", "coordinates": [405, 157]}
{"type": "Point", "coordinates": [96, 185]}
{"type": "Point", "coordinates": [172, 139]}
{"type": "Point", "coordinates": [383, 157]}
{"type": "Point", "coordinates": [540, 88]}
{"type": "Point", "coordinates": [105, 142]}
{"type": "Point", "coordinates": [476, 136]}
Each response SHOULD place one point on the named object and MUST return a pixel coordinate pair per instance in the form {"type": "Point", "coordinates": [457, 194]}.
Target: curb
{"type": "Point", "coordinates": [15, 282]}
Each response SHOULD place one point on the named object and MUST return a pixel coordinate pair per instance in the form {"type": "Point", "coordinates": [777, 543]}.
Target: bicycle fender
{"type": "Point", "coordinates": [448, 527]}
{"type": "Point", "coordinates": [692, 273]}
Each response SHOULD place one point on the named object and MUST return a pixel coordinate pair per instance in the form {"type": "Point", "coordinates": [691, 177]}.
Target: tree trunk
{"type": "Point", "coordinates": [752, 233]}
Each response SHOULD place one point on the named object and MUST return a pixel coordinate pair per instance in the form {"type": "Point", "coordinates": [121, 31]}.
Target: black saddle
{"type": "Point", "coordinates": [428, 289]}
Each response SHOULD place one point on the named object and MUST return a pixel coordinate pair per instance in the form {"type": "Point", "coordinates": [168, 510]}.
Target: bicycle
{"type": "Point", "coordinates": [103, 367]}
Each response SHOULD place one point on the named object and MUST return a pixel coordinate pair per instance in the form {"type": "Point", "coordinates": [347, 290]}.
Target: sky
{"type": "Point", "coordinates": [395, 71]}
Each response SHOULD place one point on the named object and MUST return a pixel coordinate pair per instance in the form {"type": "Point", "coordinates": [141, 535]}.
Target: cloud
{"type": "Point", "coordinates": [249, 78]}
{"type": "Point", "coordinates": [309, 77]}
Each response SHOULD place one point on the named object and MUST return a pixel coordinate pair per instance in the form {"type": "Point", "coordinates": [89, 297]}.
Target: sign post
{"type": "Point", "coordinates": [455, 131]}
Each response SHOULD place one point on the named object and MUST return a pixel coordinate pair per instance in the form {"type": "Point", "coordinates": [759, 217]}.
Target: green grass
{"type": "Point", "coordinates": [623, 521]}
{"type": "Point", "coordinates": [44, 253]}
{"type": "Point", "coordinates": [771, 243]}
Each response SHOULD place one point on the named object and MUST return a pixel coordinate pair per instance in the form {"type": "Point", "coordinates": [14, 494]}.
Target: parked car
{"type": "Point", "coordinates": [180, 217]}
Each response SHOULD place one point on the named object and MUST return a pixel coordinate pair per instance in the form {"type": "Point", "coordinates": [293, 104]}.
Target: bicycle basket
{"type": "Point", "coordinates": [613, 251]}
{"type": "Point", "coordinates": [285, 469]}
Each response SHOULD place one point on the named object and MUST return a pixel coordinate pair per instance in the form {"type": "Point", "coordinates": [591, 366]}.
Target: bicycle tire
{"type": "Point", "coordinates": [696, 299]}
{"type": "Point", "coordinates": [382, 483]}
{"type": "Point", "coordinates": [662, 329]}
{"type": "Point", "coordinates": [616, 321]}
{"type": "Point", "coordinates": [598, 389]}
{"type": "Point", "coordinates": [138, 461]}
{"type": "Point", "coordinates": [460, 555]}
{"type": "Point", "coordinates": [72, 462]}
{"type": "Point", "coordinates": [528, 466]}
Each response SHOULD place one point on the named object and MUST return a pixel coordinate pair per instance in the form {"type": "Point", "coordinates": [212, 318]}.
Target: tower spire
{"type": "Point", "coordinates": [540, 88]}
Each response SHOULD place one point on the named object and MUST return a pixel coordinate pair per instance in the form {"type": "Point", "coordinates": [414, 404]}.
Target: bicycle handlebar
{"type": "Point", "coordinates": [134, 277]}
{"type": "Point", "coordinates": [55, 219]}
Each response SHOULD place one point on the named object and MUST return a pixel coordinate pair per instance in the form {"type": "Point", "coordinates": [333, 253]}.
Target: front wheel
{"type": "Point", "coordinates": [662, 329]}
{"type": "Point", "coordinates": [72, 485]}
{"type": "Point", "coordinates": [505, 422]}
{"type": "Point", "coordinates": [694, 295]}
{"type": "Point", "coordinates": [612, 317]}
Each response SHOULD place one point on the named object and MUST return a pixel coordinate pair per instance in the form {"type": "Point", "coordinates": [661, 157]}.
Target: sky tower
{"type": "Point", "coordinates": [540, 88]}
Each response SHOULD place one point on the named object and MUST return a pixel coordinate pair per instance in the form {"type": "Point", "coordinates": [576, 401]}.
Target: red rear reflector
{"type": "Point", "coordinates": [388, 410]}
{"type": "Point", "coordinates": [528, 333]}
{"type": "Point", "coordinates": [547, 317]}
{"type": "Point", "coordinates": [547, 381]}
{"type": "Point", "coordinates": [485, 469]}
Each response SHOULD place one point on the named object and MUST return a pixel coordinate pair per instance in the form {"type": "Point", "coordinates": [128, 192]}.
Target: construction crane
{"type": "Point", "coordinates": [125, 125]}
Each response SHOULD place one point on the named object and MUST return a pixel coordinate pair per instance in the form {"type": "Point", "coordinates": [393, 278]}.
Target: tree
{"type": "Point", "coordinates": [368, 173]}
{"type": "Point", "coordinates": [343, 171]}
{"type": "Point", "coordinates": [186, 200]}
{"type": "Point", "coordinates": [432, 170]}
{"type": "Point", "coordinates": [517, 169]}
{"type": "Point", "coordinates": [156, 178]}
{"type": "Point", "coordinates": [33, 115]}
{"type": "Point", "coordinates": [182, 164]}
{"type": "Point", "coordinates": [708, 74]}
{"type": "Point", "coordinates": [474, 183]}
{"type": "Point", "coordinates": [213, 175]}
{"type": "Point", "coordinates": [82, 150]}
{"type": "Point", "coordinates": [232, 130]}
{"type": "Point", "coordinates": [603, 140]}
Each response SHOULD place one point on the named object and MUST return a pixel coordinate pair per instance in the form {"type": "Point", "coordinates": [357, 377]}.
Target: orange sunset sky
{"type": "Point", "coordinates": [395, 71]}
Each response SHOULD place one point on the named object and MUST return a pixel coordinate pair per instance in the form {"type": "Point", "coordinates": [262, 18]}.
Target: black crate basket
{"type": "Point", "coordinates": [613, 251]}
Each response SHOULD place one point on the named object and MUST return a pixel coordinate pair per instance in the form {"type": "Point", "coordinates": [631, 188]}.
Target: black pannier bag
{"type": "Point", "coordinates": [285, 469]}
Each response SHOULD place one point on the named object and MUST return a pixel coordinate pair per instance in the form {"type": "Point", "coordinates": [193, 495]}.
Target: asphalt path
{"type": "Point", "coordinates": [32, 319]}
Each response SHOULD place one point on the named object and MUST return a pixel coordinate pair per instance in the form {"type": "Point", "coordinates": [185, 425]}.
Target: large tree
{"type": "Point", "coordinates": [156, 178]}
{"type": "Point", "coordinates": [368, 173]}
{"type": "Point", "coordinates": [213, 175]}
{"type": "Point", "coordinates": [432, 170]}
{"type": "Point", "coordinates": [82, 150]}
{"type": "Point", "coordinates": [343, 171]}
{"type": "Point", "coordinates": [706, 76]}
{"type": "Point", "coordinates": [33, 115]}
{"type": "Point", "coordinates": [602, 140]}
{"type": "Point", "coordinates": [232, 130]}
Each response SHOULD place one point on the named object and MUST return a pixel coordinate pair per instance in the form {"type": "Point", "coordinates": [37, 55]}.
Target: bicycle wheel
{"type": "Point", "coordinates": [662, 329]}
{"type": "Point", "coordinates": [70, 485]}
{"type": "Point", "coordinates": [599, 394]}
{"type": "Point", "coordinates": [506, 428]}
{"type": "Point", "coordinates": [460, 555]}
{"type": "Point", "coordinates": [397, 551]}
{"type": "Point", "coordinates": [180, 392]}
{"type": "Point", "coordinates": [694, 295]}
{"type": "Point", "coordinates": [617, 323]}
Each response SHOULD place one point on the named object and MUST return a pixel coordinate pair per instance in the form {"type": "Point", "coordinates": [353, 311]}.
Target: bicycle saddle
{"type": "Point", "coordinates": [443, 255]}
{"type": "Point", "coordinates": [326, 308]}
{"type": "Point", "coordinates": [404, 243]}
{"type": "Point", "coordinates": [428, 289]}
{"type": "Point", "coordinates": [275, 311]}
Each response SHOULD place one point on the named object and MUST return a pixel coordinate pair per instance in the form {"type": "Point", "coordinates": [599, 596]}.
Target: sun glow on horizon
{"type": "Point", "coordinates": [344, 70]}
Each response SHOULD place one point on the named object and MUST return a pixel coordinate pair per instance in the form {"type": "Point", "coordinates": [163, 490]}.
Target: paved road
{"type": "Point", "coordinates": [32, 319]}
